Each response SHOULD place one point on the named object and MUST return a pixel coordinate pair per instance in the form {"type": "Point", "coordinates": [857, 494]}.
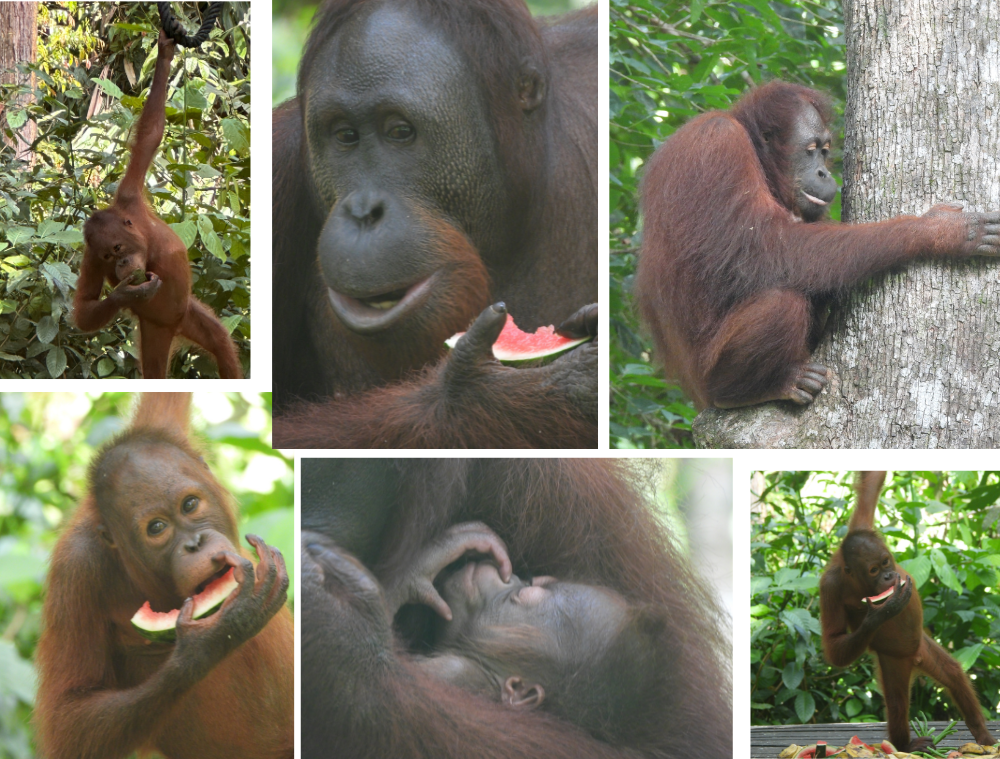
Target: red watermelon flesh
{"type": "Point", "coordinates": [514, 346]}
{"type": "Point", "coordinates": [162, 626]}
{"type": "Point", "coordinates": [882, 596]}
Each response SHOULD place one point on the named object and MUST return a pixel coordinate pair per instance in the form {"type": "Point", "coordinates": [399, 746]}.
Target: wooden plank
{"type": "Point", "coordinates": [767, 741]}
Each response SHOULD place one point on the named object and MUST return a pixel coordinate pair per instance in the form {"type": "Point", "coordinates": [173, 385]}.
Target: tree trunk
{"type": "Point", "coordinates": [915, 355]}
{"type": "Point", "coordinates": [17, 44]}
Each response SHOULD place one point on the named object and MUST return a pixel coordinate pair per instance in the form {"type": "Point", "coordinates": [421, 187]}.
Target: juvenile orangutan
{"type": "Point", "coordinates": [579, 652]}
{"type": "Point", "coordinates": [156, 527]}
{"type": "Point", "coordinates": [144, 260]}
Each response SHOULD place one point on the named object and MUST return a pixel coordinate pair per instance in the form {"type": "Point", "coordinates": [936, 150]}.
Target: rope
{"type": "Point", "coordinates": [184, 142]}
{"type": "Point", "coordinates": [173, 29]}
{"type": "Point", "coordinates": [176, 32]}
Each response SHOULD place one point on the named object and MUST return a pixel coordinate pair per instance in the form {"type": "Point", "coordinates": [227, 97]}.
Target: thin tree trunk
{"type": "Point", "coordinates": [915, 354]}
{"type": "Point", "coordinates": [17, 44]}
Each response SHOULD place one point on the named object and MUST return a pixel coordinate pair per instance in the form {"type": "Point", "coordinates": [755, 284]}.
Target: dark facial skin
{"type": "Point", "coordinates": [122, 249]}
{"type": "Point", "coordinates": [574, 618]}
{"type": "Point", "coordinates": [815, 188]}
{"type": "Point", "coordinates": [871, 570]}
{"type": "Point", "coordinates": [397, 134]}
{"type": "Point", "coordinates": [161, 510]}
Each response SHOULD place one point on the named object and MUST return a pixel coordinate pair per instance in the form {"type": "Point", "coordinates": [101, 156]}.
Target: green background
{"type": "Point", "coordinates": [669, 63]}
{"type": "Point", "coordinates": [942, 527]}
{"type": "Point", "coordinates": [46, 443]}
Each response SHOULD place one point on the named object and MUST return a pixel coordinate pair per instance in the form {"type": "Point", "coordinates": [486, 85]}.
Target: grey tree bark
{"type": "Point", "coordinates": [915, 354]}
{"type": "Point", "coordinates": [17, 44]}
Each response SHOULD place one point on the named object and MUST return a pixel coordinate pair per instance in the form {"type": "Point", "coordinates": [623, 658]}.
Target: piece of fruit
{"type": "Point", "coordinates": [882, 596]}
{"type": "Point", "coordinates": [517, 347]}
{"type": "Point", "coordinates": [162, 626]}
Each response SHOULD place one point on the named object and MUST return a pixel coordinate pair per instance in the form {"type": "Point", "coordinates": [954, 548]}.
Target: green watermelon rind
{"type": "Point", "coordinates": [163, 627]}
{"type": "Point", "coordinates": [523, 358]}
{"type": "Point", "coordinates": [540, 357]}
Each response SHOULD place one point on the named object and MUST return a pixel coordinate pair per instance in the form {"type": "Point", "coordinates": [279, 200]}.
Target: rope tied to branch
{"type": "Point", "coordinates": [176, 32]}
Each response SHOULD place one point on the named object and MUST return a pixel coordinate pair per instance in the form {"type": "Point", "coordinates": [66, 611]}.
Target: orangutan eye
{"type": "Point", "coordinates": [190, 504]}
{"type": "Point", "coordinates": [401, 132]}
{"type": "Point", "coordinates": [118, 248]}
{"type": "Point", "coordinates": [346, 136]}
{"type": "Point", "coordinates": [128, 222]}
{"type": "Point", "coordinates": [156, 527]}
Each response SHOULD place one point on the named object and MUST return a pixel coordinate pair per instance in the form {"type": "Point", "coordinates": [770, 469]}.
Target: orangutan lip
{"type": "Point", "coordinates": [375, 313]}
{"type": "Point", "coordinates": [815, 200]}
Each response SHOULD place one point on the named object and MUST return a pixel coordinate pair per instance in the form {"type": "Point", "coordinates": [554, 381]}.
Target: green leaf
{"type": "Point", "coordinates": [195, 100]}
{"type": "Point", "coordinates": [237, 135]}
{"type": "Point", "coordinates": [49, 226]}
{"type": "Point", "coordinates": [919, 568]}
{"type": "Point", "coordinates": [55, 361]}
{"type": "Point", "coordinates": [17, 118]}
{"type": "Point", "coordinates": [236, 249]}
{"type": "Point", "coordinates": [187, 231]}
{"type": "Point", "coordinates": [231, 323]}
{"type": "Point", "coordinates": [801, 622]}
{"type": "Point", "coordinates": [944, 571]}
{"type": "Point", "coordinates": [805, 707]}
{"type": "Point", "coordinates": [105, 366]}
{"type": "Point", "coordinates": [109, 87]}
{"type": "Point", "coordinates": [17, 234]}
{"type": "Point", "coordinates": [792, 675]}
{"type": "Point", "coordinates": [47, 330]}
{"type": "Point", "coordinates": [207, 172]}
{"type": "Point", "coordinates": [211, 240]}
{"type": "Point", "coordinates": [967, 656]}
{"type": "Point", "coordinates": [65, 238]}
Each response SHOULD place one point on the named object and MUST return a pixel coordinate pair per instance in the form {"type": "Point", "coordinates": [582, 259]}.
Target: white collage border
{"type": "Point", "coordinates": [744, 462]}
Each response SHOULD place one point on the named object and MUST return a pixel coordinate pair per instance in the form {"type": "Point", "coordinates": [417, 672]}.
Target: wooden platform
{"type": "Point", "coordinates": [767, 741]}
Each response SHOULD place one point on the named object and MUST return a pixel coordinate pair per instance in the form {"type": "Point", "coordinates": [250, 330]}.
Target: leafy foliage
{"type": "Point", "coordinates": [46, 443]}
{"type": "Point", "coordinates": [670, 62]}
{"type": "Point", "coordinates": [942, 527]}
{"type": "Point", "coordinates": [200, 181]}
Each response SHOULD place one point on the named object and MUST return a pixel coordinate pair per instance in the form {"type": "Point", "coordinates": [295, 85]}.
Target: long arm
{"type": "Point", "coordinates": [829, 257]}
{"type": "Point", "coordinates": [840, 645]}
{"type": "Point", "coordinates": [467, 401]}
{"type": "Point", "coordinates": [90, 312]}
{"type": "Point", "coordinates": [751, 239]}
{"type": "Point", "coordinates": [149, 130]}
{"type": "Point", "coordinates": [868, 487]}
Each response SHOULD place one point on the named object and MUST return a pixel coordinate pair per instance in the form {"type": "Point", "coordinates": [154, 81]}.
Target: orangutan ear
{"type": "Point", "coordinates": [521, 695]}
{"type": "Point", "coordinates": [530, 89]}
{"type": "Point", "coordinates": [105, 534]}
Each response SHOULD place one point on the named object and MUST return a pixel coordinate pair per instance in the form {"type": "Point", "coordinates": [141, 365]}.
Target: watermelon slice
{"type": "Point", "coordinates": [875, 600]}
{"type": "Point", "coordinates": [517, 347]}
{"type": "Point", "coordinates": [163, 626]}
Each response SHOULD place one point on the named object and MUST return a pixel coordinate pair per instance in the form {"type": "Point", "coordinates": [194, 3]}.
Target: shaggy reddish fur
{"type": "Point", "coordinates": [92, 670]}
{"type": "Point", "coordinates": [730, 281]}
{"type": "Point", "coordinates": [152, 246]}
{"type": "Point", "coordinates": [580, 520]}
{"type": "Point", "coordinates": [893, 632]}
{"type": "Point", "coordinates": [544, 275]}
